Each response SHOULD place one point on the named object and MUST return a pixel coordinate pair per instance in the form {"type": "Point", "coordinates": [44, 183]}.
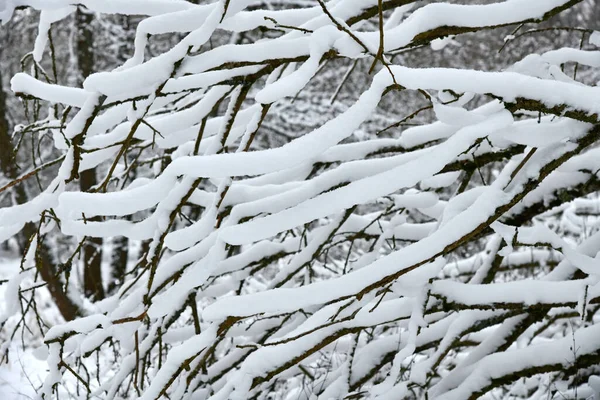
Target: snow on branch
{"type": "Point", "coordinates": [271, 237]}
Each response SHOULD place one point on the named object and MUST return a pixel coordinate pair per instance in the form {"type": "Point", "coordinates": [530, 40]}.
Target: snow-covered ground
{"type": "Point", "coordinates": [21, 376]}
{"type": "Point", "coordinates": [23, 372]}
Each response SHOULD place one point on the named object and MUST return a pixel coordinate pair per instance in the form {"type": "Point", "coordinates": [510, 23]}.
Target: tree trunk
{"type": "Point", "coordinates": [49, 272]}
{"type": "Point", "coordinates": [8, 162]}
{"type": "Point", "coordinates": [44, 260]}
{"type": "Point", "coordinates": [120, 244]}
{"type": "Point", "coordinates": [92, 249]}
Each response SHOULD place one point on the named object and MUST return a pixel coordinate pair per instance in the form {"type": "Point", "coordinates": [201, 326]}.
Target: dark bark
{"type": "Point", "coordinates": [120, 248]}
{"type": "Point", "coordinates": [48, 270]}
{"type": "Point", "coordinates": [8, 162]}
{"type": "Point", "coordinates": [44, 260]}
{"type": "Point", "coordinates": [118, 262]}
{"type": "Point", "coordinates": [92, 249]}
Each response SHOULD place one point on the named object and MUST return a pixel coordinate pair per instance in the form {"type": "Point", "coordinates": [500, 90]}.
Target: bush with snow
{"type": "Point", "coordinates": [448, 260]}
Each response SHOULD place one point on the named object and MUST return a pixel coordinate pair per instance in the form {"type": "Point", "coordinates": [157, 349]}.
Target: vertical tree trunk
{"type": "Point", "coordinates": [120, 244]}
{"type": "Point", "coordinates": [48, 270]}
{"type": "Point", "coordinates": [92, 249]}
{"type": "Point", "coordinates": [7, 159]}
{"type": "Point", "coordinates": [44, 260]}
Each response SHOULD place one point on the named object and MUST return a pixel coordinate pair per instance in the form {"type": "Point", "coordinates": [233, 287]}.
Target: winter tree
{"type": "Point", "coordinates": [303, 199]}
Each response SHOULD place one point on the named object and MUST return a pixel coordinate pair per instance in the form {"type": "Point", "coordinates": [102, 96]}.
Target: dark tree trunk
{"type": "Point", "coordinates": [92, 249]}
{"type": "Point", "coordinates": [120, 247]}
{"type": "Point", "coordinates": [118, 263]}
{"type": "Point", "coordinates": [44, 260]}
{"type": "Point", "coordinates": [49, 272]}
{"type": "Point", "coordinates": [8, 162]}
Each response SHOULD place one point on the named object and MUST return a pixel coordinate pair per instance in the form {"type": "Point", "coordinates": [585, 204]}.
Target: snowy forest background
{"type": "Point", "coordinates": [299, 199]}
